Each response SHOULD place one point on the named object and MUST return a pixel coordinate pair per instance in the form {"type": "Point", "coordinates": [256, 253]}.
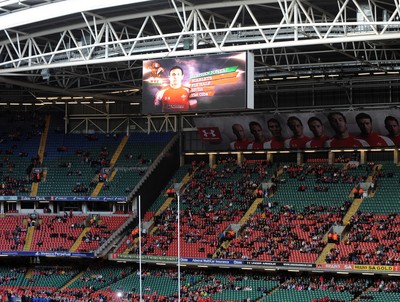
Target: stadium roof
{"type": "Point", "coordinates": [95, 48]}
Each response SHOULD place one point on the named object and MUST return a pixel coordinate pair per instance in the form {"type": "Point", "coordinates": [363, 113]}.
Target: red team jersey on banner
{"type": "Point", "coordinates": [256, 146]}
{"type": "Point", "coordinates": [296, 142]}
{"type": "Point", "coordinates": [173, 99]}
{"type": "Point", "coordinates": [317, 142]}
{"type": "Point", "coordinates": [375, 139]}
{"type": "Point", "coordinates": [274, 143]}
{"type": "Point", "coordinates": [349, 142]}
{"type": "Point", "coordinates": [240, 145]}
{"type": "Point", "coordinates": [395, 139]}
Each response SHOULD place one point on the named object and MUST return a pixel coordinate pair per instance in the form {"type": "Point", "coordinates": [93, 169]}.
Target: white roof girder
{"type": "Point", "coordinates": [49, 10]}
{"type": "Point", "coordinates": [98, 45]}
{"type": "Point", "coordinates": [301, 24]}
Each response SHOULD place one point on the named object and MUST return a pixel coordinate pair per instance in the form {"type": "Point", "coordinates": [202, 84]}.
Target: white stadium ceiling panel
{"type": "Point", "coordinates": [89, 47]}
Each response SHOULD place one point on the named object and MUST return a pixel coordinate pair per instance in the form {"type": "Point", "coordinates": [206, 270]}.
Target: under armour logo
{"type": "Point", "coordinates": [209, 133]}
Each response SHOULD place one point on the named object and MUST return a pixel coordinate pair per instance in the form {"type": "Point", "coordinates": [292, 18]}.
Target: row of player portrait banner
{"type": "Point", "coordinates": [205, 261]}
{"type": "Point", "coordinates": [350, 129]}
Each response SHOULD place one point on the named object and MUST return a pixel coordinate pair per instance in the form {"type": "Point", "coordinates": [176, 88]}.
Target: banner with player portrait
{"type": "Point", "coordinates": [322, 130]}
{"type": "Point", "coordinates": [201, 83]}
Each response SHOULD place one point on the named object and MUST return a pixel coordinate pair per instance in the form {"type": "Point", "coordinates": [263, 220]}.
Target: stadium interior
{"type": "Point", "coordinates": [101, 201]}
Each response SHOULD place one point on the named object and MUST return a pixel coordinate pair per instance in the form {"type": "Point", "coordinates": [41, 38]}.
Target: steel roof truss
{"type": "Point", "coordinates": [96, 44]}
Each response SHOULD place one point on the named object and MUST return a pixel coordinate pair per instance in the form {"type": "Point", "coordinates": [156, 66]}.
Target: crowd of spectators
{"type": "Point", "coordinates": [213, 199]}
{"type": "Point", "coordinates": [215, 195]}
{"type": "Point", "coordinates": [326, 174]}
{"type": "Point", "coordinates": [196, 285]}
{"type": "Point", "coordinates": [282, 232]}
{"type": "Point", "coordinates": [354, 286]}
{"type": "Point", "coordinates": [97, 161]}
{"type": "Point", "coordinates": [16, 237]}
{"type": "Point", "coordinates": [10, 186]}
{"type": "Point", "coordinates": [14, 148]}
{"type": "Point", "coordinates": [373, 240]}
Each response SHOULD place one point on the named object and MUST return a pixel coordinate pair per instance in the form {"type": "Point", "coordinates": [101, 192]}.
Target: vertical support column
{"type": "Point", "coordinates": [127, 126]}
{"type": "Point", "coordinates": [55, 207]}
{"type": "Point", "coordinates": [178, 188]}
{"type": "Point", "coordinates": [84, 207]}
{"type": "Point", "coordinates": [363, 157]}
{"type": "Point", "coordinates": [182, 157]}
{"type": "Point", "coordinates": [239, 158]}
{"type": "Point", "coordinates": [140, 249]}
{"type": "Point", "coordinates": [331, 158]}
{"type": "Point", "coordinates": [396, 156]}
{"type": "Point", "coordinates": [66, 119]}
{"type": "Point", "coordinates": [2, 207]}
{"type": "Point", "coordinates": [270, 157]}
{"type": "Point", "coordinates": [211, 159]}
{"type": "Point", "coordinates": [300, 158]}
{"type": "Point", "coordinates": [86, 126]}
{"type": "Point", "coordinates": [133, 207]}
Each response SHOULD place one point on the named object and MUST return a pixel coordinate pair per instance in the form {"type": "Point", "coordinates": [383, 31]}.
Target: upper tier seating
{"type": "Point", "coordinates": [385, 195]}
{"type": "Point", "coordinates": [325, 185]}
{"type": "Point", "coordinates": [73, 163]}
{"type": "Point", "coordinates": [138, 154]}
{"type": "Point", "coordinates": [19, 143]}
{"type": "Point", "coordinates": [212, 200]}
{"type": "Point", "coordinates": [216, 198]}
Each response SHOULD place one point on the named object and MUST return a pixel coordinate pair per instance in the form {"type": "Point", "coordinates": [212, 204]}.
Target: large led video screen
{"type": "Point", "coordinates": [201, 83]}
